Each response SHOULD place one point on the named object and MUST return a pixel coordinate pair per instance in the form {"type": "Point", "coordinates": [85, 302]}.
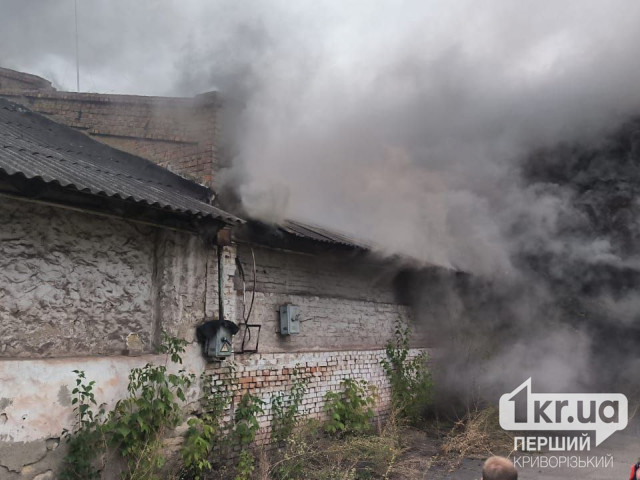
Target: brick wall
{"type": "Point", "coordinates": [13, 80]}
{"type": "Point", "coordinates": [345, 302]}
{"type": "Point", "coordinates": [181, 134]}
{"type": "Point", "coordinates": [267, 374]}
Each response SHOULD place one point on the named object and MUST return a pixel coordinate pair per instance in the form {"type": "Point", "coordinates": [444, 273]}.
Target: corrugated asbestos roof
{"type": "Point", "coordinates": [38, 148]}
{"type": "Point", "coordinates": [319, 234]}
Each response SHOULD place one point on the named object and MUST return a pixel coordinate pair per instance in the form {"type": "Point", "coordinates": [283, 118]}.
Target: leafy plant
{"type": "Point", "coordinates": [246, 419]}
{"type": "Point", "coordinates": [350, 410]}
{"type": "Point", "coordinates": [136, 423]}
{"type": "Point", "coordinates": [411, 382]}
{"type": "Point", "coordinates": [204, 431]}
{"type": "Point", "coordinates": [134, 427]}
{"type": "Point", "coordinates": [86, 440]}
{"type": "Point", "coordinates": [245, 430]}
{"type": "Point", "coordinates": [245, 466]}
{"type": "Point", "coordinates": [285, 407]}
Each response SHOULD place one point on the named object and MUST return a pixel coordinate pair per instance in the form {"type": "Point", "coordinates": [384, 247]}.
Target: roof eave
{"type": "Point", "coordinates": [39, 191]}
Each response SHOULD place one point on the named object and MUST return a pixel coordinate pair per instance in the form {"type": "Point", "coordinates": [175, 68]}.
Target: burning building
{"type": "Point", "coordinates": [110, 236]}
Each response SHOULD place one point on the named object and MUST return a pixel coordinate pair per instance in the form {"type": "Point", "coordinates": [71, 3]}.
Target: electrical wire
{"type": "Point", "coordinates": [253, 296]}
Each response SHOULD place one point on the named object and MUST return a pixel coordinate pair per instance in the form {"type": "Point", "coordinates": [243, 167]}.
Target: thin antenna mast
{"type": "Point", "coordinates": [77, 56]}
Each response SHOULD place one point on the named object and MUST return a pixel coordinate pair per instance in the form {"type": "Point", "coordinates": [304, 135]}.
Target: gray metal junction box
{"type": "Point", "coordinates": [289, 320]}
{"type": "Point", "coordinates": [216, 338]}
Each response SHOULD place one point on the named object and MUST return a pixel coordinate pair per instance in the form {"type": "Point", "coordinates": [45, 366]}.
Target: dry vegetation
{"type": "Point", "coordinates": [477, 435]}
{"type": "Point", "coordinates": [310, 454]}
{"type": "Point", "coordinates": [393, 452]}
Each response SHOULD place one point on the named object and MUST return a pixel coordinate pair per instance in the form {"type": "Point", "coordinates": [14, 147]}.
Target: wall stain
{"type": "Point", "coordinates": [64, 397]}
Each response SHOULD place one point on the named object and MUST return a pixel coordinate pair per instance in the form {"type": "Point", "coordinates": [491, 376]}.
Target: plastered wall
{"type": "Point", "coordinates": [79, 284]}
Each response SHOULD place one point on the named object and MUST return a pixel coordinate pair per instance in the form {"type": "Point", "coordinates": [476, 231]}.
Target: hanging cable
{"type": "Point", "coordinates": [247, 330]}
{"type": "Point", "coordinates": [253, 291]}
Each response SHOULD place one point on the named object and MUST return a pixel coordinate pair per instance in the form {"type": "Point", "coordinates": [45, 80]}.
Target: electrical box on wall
{"type": "Point", "coordinates": [217, 338]}
{"type": "Point", "coordinates": [289, 321]}
{"type": "Point", "coordinates": [220, 345]}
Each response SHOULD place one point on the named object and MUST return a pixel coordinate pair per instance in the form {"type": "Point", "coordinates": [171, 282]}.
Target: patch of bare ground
{"type": "Point", "coordinates": [419, 451]}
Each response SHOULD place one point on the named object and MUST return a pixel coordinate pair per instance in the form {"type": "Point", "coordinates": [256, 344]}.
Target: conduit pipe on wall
{"type": "Point", "coordinates": [223, 238]}
{"type": "Point", "coordinates": [220, 282]}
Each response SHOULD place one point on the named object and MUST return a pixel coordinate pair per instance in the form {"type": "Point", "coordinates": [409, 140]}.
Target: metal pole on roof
{"type": "Point", "coordinates": [77, 56]}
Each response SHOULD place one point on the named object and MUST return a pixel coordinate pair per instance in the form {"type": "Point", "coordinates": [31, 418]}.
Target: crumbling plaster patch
{"type": "Point", "coordinates": [15, 455]}
{"type": "Point", "coordinates": [37, 413]}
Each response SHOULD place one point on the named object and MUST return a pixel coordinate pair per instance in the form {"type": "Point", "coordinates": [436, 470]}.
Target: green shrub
{"type": "Point", "coordinates": [86, 439]}
{"type": "Point", "coordinates": [245, 465]}
{"type": "Point", "coordinates": [411, 382]}
{"type": "Point", "coordinates": [136, 424]}
{"type": "Point", "coordinates": [246, 419]}
{"type": "Point", "coordinates": [245, 430]}
{"type": "Point", "coordinates": [350, 410]}
{"type": "Point", "coordinates": [285, 407]}
{"type": "Point", "coordinates": [134, 427]}
{"type": "Point", "coordinates": [204, 431]}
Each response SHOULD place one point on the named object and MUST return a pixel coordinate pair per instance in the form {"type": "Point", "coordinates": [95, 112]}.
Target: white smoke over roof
{"type": "Point", "coordinates": [393, 120]}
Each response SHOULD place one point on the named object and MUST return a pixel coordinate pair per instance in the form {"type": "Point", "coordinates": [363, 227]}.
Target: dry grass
{"type": "Point", "coordinates": [477, 435]}
{"type": "Point", "coordinates": [393, 452]}
{"type": "Point", "coordinates": [312, 455]}
{"type": "Point", "coordinates": [418, 455]}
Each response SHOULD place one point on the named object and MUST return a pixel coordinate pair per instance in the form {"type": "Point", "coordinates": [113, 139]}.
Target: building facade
{"type": "Point", "coordinates": [90, 277]}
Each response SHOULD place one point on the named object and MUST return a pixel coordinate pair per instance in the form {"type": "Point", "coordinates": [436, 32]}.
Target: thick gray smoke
{"type": "Point", "coordinates": [429, 128]}
{"type": "Point", "coordinates": [422, 137]}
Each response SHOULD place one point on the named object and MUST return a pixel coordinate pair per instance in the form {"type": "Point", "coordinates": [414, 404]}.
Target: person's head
{"type": "Point", "coordinates": [499, 468]}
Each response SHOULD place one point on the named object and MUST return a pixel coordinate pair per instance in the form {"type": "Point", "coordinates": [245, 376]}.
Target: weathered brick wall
{"type": "Point", "coordinates": [13, 80]}
{"type": "Point", "coordinates": [181, 134]}
{"type": "Point", "coordinates": [265, 375]}
{"type": "Point", "coordinates": [346, 302]}
{"type": "Point", "coordinates": [78, 284]}
{"type": "Point", "coordinates": [340, 275]}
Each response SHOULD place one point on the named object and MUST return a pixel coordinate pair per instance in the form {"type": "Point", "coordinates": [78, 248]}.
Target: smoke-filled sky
{"type": "Point", "coordinates": [408, 123]}
{"type": "Point", "coordinates": [395, 120]}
